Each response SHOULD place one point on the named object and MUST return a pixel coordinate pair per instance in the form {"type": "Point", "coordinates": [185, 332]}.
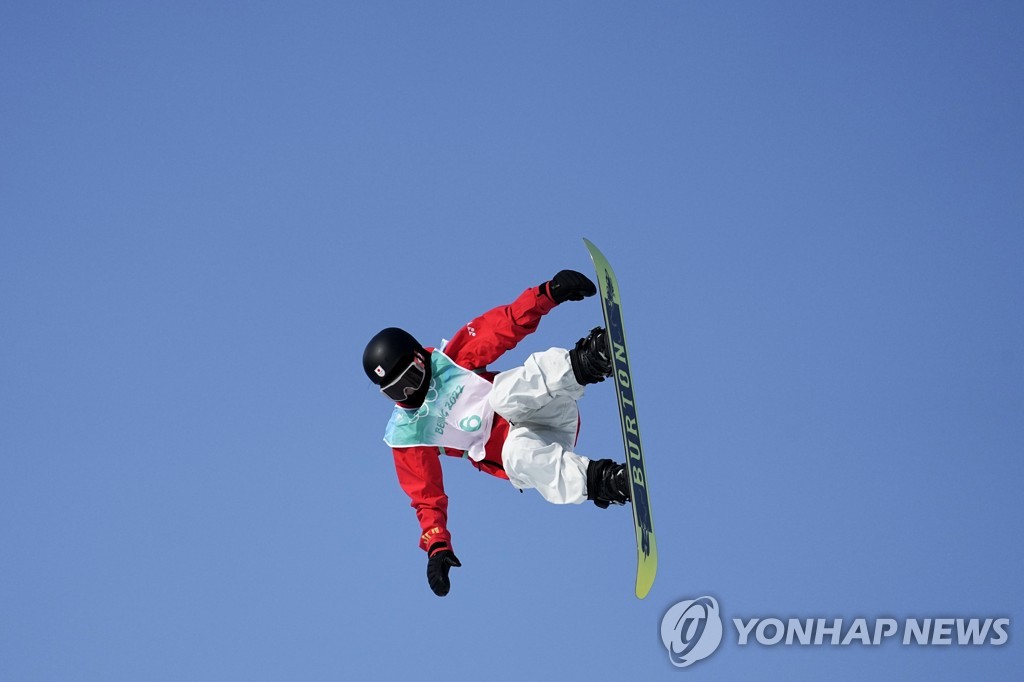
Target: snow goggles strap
{"type": "Point", "coordinates": [407, 382]}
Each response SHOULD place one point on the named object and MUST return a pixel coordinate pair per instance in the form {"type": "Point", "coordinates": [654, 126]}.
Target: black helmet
{"type": "Point", "coordinates": [395, 361]}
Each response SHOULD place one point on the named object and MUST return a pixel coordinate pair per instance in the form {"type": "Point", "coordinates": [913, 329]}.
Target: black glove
{"type": "Point", "coordinates": [569, 285]}
{"type": "Point", "coordinates": [438, 565]}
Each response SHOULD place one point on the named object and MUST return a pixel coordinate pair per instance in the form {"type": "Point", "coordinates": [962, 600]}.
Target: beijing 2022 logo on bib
{"type": "Point", "coordinates": [691, 630]}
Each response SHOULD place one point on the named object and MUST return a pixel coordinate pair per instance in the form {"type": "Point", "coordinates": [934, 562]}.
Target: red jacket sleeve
{"type": "Point", "coordinates": [487, 337]}
{"type": "Point", "coordinates": [419, 474]}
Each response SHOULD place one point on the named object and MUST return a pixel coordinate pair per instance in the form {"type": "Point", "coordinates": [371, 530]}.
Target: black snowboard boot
{"type": "Point", "coordinates": [591, 361]}
{"type": "Point", "coordinates": [607, 483]}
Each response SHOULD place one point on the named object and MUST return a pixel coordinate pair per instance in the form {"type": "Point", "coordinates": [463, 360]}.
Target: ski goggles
{"type": "Point", "coordinates": [407, 382]}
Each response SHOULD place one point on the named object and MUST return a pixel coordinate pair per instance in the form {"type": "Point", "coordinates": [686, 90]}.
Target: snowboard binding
{"type": "Point", "coordinates": [607, 483]}
{"type": "Point", "coordinates": [591, 359]}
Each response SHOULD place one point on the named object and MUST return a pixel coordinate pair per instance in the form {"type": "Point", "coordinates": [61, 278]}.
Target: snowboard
{"type": "Point", "coordinates": [643, 523]}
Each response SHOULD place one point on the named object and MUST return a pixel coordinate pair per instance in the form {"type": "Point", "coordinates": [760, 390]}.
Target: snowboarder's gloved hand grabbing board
{"type": "Point", "coordinates": [569, 285]}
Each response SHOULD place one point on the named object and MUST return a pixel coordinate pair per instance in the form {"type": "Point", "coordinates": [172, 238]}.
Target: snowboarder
{"type": "Point", "coordinates": [519, 425]}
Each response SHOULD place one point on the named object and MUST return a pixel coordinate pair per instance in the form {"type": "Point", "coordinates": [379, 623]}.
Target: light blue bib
{"type": "Point", "coordinates": [456, 413]}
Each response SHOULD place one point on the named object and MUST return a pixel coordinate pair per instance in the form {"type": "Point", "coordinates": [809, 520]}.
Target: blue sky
{"type": "Point", "coordinates": [815, 210]}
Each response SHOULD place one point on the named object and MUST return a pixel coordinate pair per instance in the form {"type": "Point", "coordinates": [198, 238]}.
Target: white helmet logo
{"type": "Point", "coordinates": [379, 371]}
